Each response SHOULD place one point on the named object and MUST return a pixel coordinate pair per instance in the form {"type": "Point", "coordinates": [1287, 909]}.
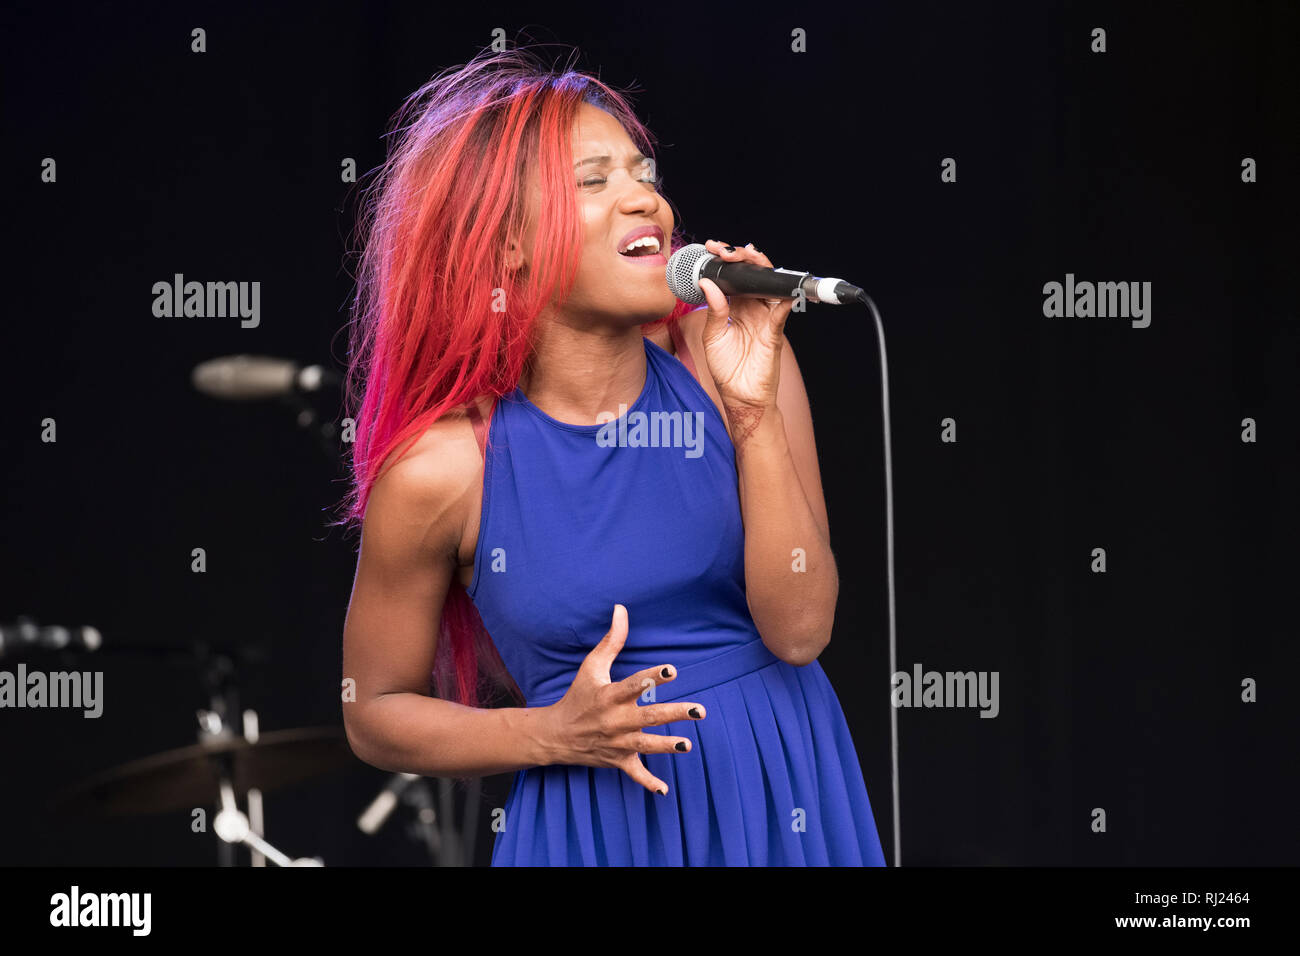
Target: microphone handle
{"type": "Point", "coordinates": [750, 281]}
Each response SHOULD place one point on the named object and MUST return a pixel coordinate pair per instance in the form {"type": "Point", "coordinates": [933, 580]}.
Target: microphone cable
{"type": "Point", "coordinates": [889, 564]}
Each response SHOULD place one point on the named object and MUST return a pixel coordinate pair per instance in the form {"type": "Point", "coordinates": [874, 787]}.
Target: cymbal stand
{"type": "Point", "coordinates": [231, 825]}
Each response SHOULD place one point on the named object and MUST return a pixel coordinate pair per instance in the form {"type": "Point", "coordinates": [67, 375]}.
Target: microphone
{"type": "Point", "coordinates": [691, 263]}
{"type": "Point", "coordinates": [243, 378]}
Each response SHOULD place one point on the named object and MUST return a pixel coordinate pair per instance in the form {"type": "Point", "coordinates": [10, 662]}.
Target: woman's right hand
{"type": "Point", "coordinates": [598, 722]}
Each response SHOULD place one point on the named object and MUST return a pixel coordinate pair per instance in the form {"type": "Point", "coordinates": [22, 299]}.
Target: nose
{"type": "Point", "coordinates": [636, 195]}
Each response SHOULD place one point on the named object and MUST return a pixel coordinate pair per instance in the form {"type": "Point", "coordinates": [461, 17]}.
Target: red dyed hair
{"type": "Point", "coordinates": [434, 225]}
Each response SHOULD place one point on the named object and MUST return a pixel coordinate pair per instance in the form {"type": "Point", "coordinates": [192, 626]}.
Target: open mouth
{"type": "Point", "coordinates": [641, 248]}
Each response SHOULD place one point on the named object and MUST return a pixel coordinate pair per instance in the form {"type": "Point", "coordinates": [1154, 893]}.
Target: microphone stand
{"type": "Point", "coordinates": [434, 828]}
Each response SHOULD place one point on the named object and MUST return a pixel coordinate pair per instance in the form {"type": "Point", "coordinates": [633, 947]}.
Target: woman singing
{"type": "Point", "coordinates": [627, 491]}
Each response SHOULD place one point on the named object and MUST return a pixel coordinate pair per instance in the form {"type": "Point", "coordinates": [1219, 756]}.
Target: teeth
{"type": "Point", "coordinates": [650, 241]}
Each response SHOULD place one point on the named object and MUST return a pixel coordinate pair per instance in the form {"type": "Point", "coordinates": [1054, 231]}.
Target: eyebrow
{"type": "Point", "coordinates": [602, 160]}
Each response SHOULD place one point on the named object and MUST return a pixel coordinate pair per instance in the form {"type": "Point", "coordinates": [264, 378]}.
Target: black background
{"type": "Point", "coordinates": [1118, 690]}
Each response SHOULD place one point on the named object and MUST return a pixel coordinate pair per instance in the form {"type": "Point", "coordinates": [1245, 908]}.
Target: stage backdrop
{"type": "Point", "coordinates": [1078, 221]}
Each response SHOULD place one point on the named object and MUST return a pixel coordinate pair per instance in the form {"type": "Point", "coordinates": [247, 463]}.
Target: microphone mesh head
{"type": "Point", "coordinates": [683, 271]}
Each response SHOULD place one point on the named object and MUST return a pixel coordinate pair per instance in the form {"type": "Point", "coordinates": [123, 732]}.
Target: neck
{"type": "Point", "coordinates": [575, 374]}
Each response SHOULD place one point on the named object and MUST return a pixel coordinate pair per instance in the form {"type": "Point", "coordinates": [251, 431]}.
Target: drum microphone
{"type": "Point", "coordinates": [242, 378]}
{"type": "Point", "coordinates": [691, 263]}
{"type": "Point", "coordinates": [26, 636]}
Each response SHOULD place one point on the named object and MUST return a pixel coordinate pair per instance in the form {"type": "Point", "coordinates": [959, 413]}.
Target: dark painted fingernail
{"type": "Point", "coordinates": [662, 793]}
{"type": "Point", "coordinates": [666, 672]}
{"type": "Point", "coordinates": [681, 745]}
{"type": "Point", "coordinates": [730, 248]}
{"type": "Point", "coordinates": [694, 712]}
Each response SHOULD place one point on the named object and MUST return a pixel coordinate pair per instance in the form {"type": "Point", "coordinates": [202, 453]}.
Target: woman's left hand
{"type": "Point", "coordinates": [743, 336]}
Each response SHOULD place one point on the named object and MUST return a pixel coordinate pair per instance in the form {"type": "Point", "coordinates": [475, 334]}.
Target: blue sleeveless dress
{"type": "Point", "coordinates": [576, 519]}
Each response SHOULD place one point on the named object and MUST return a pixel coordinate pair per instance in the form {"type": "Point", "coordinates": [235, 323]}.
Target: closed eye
{"type": "Point", "coordinates": [650, 180]}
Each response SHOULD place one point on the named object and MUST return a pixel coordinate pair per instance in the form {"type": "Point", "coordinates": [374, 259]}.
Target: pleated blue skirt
{"type": "Point", "coordinates": [772, 779]}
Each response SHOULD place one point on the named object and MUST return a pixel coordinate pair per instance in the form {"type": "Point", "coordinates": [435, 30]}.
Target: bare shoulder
{"type": "Point", "coordinates": [421, 501]}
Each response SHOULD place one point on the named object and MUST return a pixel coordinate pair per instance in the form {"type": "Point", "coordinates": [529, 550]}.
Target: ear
{"type": "Point", "coordinates": [515, 258]}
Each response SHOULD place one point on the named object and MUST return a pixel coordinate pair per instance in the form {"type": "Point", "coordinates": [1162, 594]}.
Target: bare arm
{"type": "Point", "coordinates": [791, 580]}
{"type": "Point", "coordinates": [408, 556]}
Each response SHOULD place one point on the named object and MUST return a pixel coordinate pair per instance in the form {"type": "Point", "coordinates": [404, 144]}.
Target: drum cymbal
{"type": "Point", "coordinates": [188, 777]}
